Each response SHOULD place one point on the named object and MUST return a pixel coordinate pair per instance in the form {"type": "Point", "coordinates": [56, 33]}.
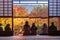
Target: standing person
{"type": "Point", "coordinates": [7, 28]}
{"type": "Point", "coordinates": [26, 29]}
{"type": "Point", "coordinates": [1, 29]}
{"type": "Point", "coordinates": [33, 29]}
{"type": "Point", "coordinates": [44, 29]}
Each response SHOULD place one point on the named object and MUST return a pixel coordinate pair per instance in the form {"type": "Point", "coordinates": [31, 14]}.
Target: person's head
{"type": "Point", "coordinates": [0, 24]}
{"type": "Point", "coordinates": [52, 23]}
{"type": "Point", "coordinates": [33, 24]}
{"type": "Point", "coordinates": [8, 25]}
{"type": "Point", "coordinates": [44, 24]}
{"type": "Point", "coordinates": [26, 22]}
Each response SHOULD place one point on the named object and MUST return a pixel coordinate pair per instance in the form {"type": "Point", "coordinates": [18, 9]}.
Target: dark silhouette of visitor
{"type": "Point", "coordinates": [52, 27]}
{"type": "Point", "coordinates": [26, 29]}
{"type": "Point", "coordinates": [7, 28]}
{"type": "Point", "coordinates": [1, 29]}
{"type": "Point", "coordinates": [33, 29]}
{"type": "Point", "coordinates": [44, 29]}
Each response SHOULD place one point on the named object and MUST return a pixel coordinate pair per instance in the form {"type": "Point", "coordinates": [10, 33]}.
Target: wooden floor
{"type": "Point", "coordinates": [37, 37]}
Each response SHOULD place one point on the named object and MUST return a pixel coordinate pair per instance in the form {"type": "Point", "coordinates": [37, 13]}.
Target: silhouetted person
{"type": "Point", "coordinates": [33, 29]}
{"type": "Point", "coordinates": [52, 27]}
{"type": "Point", "coordinates": [1, 29]}
{"type": "Point", "coordinates": [7, 28]}
{"type": "Point", "coordinates": [26, 29]}
{"type": "Point", "coordinates": [44, 29]}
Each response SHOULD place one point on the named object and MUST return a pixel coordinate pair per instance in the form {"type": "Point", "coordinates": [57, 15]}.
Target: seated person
{"type": "Point", "coordinates": [33, 29]}
{"type": "Point", "coordinates": [7, 28]}
{"type": "Point", "coordinates": [52, 27]}
{"type": "Point", "coordinates": [1, 29]}
{"type": "Point", "coordinates": [26, 29]}
{"type": "Point", "coordinates": [44, 29]}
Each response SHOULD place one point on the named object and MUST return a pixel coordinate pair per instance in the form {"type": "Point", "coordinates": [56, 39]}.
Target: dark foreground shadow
{"type": "Point", "coordinates": [6, 33]}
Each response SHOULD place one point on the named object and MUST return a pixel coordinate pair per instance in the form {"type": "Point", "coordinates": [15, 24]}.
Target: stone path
{"type": "Point", "coordinates": [37, 37]}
